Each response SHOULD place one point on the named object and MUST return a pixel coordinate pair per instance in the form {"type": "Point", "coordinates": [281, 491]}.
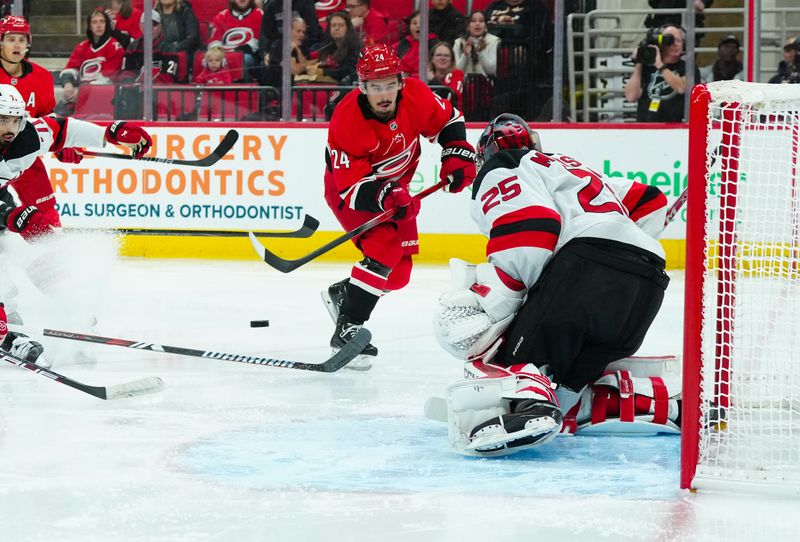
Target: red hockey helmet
{"type": "Point", "coordinates": [377, 62]}
{"type": "Point", "coordinates": [15, 25]}
{"type": "Point", "coordinates": [506, 131]}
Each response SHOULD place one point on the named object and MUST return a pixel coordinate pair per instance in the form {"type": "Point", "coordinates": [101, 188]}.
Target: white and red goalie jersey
{"type": "Point", "coordinates": [43, 135]}
{"type": "Point", "coordinates": [530, 204]}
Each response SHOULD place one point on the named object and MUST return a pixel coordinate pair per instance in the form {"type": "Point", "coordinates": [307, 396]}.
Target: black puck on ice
{"type": "Point", "coordinates": [259, 323]}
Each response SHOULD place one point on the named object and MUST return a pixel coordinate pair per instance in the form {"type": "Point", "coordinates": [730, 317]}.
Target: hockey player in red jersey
{"type": "Point", "coordinates": [35, 84]}
{"type": "Point", "coordinates": [23, 140]}
{"type": "Point", "coordinates": [372, 153]}
{"type": "Point", "coordinates": [574, 279]}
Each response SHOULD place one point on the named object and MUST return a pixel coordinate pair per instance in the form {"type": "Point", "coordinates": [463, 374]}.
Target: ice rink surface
{"type": "Point", "coordinates": [237, 452]}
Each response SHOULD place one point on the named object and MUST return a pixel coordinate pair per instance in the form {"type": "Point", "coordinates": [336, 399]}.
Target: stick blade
{"type": "Point", "coordinates": [225, 145]}
{"type": "Point", "coordinates": [143, 386]}
{"type": "Point", "coordinates": [310, 225]}
{"type": "Point", "coordinates": [349, 351]}
{"type": "Point", "coordinates": [276, 262]}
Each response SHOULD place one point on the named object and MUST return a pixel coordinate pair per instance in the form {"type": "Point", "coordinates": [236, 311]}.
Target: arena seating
{"type": "Point", "coordinates": [234, 63]}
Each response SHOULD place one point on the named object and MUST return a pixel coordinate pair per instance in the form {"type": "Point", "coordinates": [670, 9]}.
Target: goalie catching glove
{"type": "Point", "coordinates": [458, 165]}
{"type": "Point", "coordinates": [477, 309]}
{"type": "Point", "coordinates": [25, 220]}
{"type": "Point", "coordinates": [129, 135]}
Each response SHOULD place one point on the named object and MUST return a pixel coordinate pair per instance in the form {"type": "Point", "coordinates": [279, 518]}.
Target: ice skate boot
{"type": "Point", "coordinates": [23, 347]}
{"type": "Point", "coordinates": [333, 297]}
{"type": "Point", "coordinates": [345, 330]}
{"type": "Point", "coordinates": [531, 423]}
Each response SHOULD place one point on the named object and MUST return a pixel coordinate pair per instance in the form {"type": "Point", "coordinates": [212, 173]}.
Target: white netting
{"type": "Point", "coordinates": [751, 287]}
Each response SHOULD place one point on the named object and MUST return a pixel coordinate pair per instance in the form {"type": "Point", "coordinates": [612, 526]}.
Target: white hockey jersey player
{"type": "Point", "coordinates": [574, 279]}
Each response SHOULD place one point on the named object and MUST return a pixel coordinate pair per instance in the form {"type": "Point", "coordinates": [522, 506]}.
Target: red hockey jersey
{"type": "Point", "coordinates": [362, 146]}
{"type": "Point", "coordinates": [88, 63]}
{"type": "Point", "coordinates": [232, 31]}
{"type": "Point", "coordinates": [221, 77]}
{"type": "Point", "coordinates": [36, 87]}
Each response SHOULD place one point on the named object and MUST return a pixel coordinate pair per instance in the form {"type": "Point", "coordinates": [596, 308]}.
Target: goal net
{"type": "Point", "coordinates": [741, 415]}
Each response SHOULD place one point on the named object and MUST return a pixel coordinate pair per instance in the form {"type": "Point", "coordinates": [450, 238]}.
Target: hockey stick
{"type": "Point", "coordinates": [310, 225]}
{"type": "Point", "coordinates": [349, 351]}
{"type": "Point", "coordinates": [133, 388]}
{"type": "Point", "coordinates": [286, 266]}
{"type": "Point", "coordinates": [678, 204]}
{"type": "Point", "coordinates": [222, 149]}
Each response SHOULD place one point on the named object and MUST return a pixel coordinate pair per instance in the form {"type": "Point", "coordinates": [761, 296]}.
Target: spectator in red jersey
{"type": "Point", "coordinates": [446, 21]}
{"type": "Point", "coordinates": [178, 26]}
{"type": "Point", "coordinates": [236, 29]}
{"type": "Point", "coordinates": [369, 24]}
{"type": "Point", "coordinates": [213, 69]}
{"type": "Point", "coordinates": [408, 48]}
{"type": "Point", "coordinates": [98, 58]}
{"type": "Point", "coordinates": [442, 71]}
{"type": "Point", "coordinates": [125, 21]}
{"type": "Point", "coordinates": [338, 51]}
{"type": "Point", "coordinates": [476, 52]}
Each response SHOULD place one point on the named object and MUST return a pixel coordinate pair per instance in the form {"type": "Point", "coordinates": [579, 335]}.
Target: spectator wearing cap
{"type": "Point", "coordinates": [133, 61]}
{"type": "Point", "coordinates": [727, 66]}
{"type": "Point", "coordinates": [789, 67]}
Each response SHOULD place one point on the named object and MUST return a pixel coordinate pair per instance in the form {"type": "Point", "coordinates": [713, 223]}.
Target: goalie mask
{"type": "Point", "coordinates": [506, 131]}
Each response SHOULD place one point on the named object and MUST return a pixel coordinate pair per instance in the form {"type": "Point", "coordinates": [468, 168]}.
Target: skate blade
{"type": "Point", "coordinates": [498, 441]}
{"type": "Point", "coordinates": [329, 305]}
{"type": "Point", "coordinates": [358, 363]}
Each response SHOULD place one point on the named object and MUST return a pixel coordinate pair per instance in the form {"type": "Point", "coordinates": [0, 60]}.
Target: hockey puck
{"type": "Point", "coordinates": [259, 323]}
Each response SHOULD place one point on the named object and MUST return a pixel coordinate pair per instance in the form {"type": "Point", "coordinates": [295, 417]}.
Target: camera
{"type": "Point", "coordinates": [645, 55]}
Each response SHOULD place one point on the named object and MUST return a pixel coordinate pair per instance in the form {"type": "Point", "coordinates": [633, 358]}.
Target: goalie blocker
{"type": "Point", "coordinates": [502, 410]}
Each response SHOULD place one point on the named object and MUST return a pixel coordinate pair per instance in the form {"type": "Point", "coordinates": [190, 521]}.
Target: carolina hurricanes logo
{"type": "Point", "coordinates": [395, 164]}
{"type": "Point", "coordinates": [91, 68]}
{"type": "Point", "coordinates": [237, 36]}
{"type": "Point", "coordinates": [328, 4]}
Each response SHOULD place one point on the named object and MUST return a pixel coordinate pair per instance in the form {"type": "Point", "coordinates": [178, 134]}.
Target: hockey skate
{"type": "Point", "coordinates": [23, 347]}
{"type": "Point", "coordinates": [531, 423]}
{"type": "Point", "coordinates": [333, 297]}
{"type": "Point", "coordinates": [345, 330]}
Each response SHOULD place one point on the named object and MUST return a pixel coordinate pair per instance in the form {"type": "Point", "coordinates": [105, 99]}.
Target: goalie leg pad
{"type": "Point", "coordinates": [621, 404]}
{"type": "Point", "coordinates": [499, 411]}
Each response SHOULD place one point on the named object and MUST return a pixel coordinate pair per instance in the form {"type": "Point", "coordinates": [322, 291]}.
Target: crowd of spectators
{"type": "Point", "coordinates": [496, 58]}
{"type": "Point", "coordinates": [241, 43]}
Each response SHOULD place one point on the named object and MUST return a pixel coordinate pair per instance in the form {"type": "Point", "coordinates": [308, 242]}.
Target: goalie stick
{"type": "Point", "coordinates": [310, 225]}
{"type": "Point", "coordinates": [118, 391]}
{"type": "Point", "coordinates": [222, 149]}
{"type": "Point", "coordinates": [349, 351]}
{"type": "Point", "coordinates": [286, 266]}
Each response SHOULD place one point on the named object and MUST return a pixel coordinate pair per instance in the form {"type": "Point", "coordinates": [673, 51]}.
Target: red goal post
{"type": "Point", "coordinates": [741, 381]}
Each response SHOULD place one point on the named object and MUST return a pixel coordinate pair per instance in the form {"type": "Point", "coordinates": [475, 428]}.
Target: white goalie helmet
{"type": "Point", "coordinates": [11, 102]}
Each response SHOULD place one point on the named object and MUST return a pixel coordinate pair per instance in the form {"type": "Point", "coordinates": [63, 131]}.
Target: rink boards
{"type": "Point", "coordinates": [273, 177]}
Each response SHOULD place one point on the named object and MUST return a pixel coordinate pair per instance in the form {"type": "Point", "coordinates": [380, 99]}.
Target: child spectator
{"type": "Point", "coordinates": [178, 27]}
{"type": "Point", "coordinates": [442, 71]}
{"type": "Point", "coordinates": [408, 48]}
{"type": "Point", "coordinates": [446, 21]}
{"type": "Point", "coordinates": [370, 25]}
{"type": "Point", "coordinates": [338, 51]}
{"type": "Point", "coordinates": [125, 21]}
{"type": "Point", "coordinates": [476, 52]}
{"type": "Point", "coordinates": [236, 29]}
{"type": "Point", "coordinates": [98, 58]}
{"type": "Point", "coordinates": [213, 72]}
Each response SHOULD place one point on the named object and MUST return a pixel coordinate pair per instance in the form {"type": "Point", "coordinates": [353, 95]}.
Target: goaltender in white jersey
{"type": "Point", "coordinates": [575, 278]}
{"type": "Point", "coordinates": [22, 139]}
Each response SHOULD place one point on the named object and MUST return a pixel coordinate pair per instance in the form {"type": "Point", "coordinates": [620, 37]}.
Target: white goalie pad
{"type": "Point", "coordinates": [619, 403]}
{"type": "Point", "coordinates": [471, 402]}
